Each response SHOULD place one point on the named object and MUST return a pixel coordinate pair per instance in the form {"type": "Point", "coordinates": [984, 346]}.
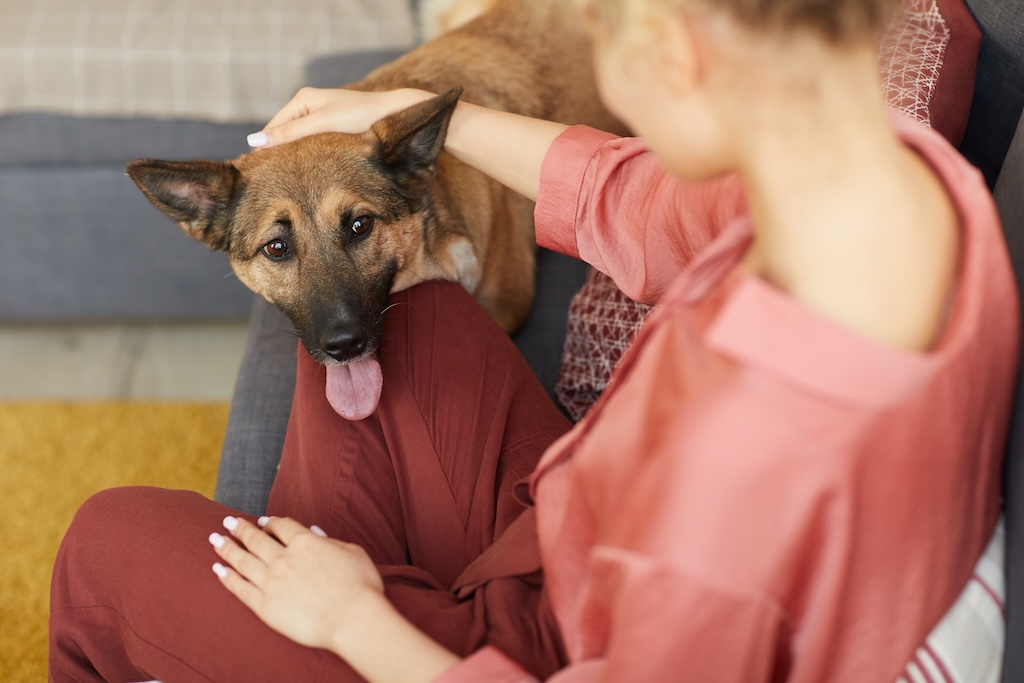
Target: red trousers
{"type": "Point", "coordinates": [426, 485]}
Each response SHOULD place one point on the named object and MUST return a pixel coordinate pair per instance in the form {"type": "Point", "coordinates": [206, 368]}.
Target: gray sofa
{"type": "Point", "coordinates": [85, 244]}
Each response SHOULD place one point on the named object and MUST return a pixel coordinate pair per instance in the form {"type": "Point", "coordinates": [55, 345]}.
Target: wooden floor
{"type": "Point", "coordinates": [166, 361]}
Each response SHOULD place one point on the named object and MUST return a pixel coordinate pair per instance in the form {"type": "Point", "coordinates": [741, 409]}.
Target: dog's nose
{"type": "Point", "coordinates": [344, 342]}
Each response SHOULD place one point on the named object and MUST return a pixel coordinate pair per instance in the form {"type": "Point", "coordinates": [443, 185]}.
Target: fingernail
{"type": "Point", "coordinates": [216, 540]}
{"type": "Point", "coordinates": [263, 521]}
{"type": "Point", "coordinates": [230, 523]}
{"type": "Point", "coordinates": [318, 531]}
{"type": "Point", "coordinates": [219, 570]}
{"type": "Point", "coordinates": [257, 139]}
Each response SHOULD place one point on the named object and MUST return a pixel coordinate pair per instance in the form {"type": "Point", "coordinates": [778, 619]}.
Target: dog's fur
{"type": "Point", "coordinates": [366, 215]}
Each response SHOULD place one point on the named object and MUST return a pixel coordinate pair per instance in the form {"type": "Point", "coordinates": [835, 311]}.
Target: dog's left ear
{"type": "Point", "coordinates": [408, 143]}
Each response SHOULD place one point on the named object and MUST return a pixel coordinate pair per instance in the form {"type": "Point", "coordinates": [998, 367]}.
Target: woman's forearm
{"type": "Point", "coordinates": [508, 147]}
{"type": "Point", "coordinates": [382, 645]}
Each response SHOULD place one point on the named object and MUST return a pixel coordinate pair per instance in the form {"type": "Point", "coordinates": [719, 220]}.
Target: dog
{"type": "Point", "coordinates": [362, 216]}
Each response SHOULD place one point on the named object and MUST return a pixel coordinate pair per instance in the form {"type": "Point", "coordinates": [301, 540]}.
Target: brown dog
{"type": "Point", "coordinates": [328, 226]}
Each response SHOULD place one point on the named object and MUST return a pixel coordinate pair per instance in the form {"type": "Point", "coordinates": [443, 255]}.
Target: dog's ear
{"type": "Point", "coordinates": [408, 143]}
{"type": "Point", "coordinates": [196, 194]}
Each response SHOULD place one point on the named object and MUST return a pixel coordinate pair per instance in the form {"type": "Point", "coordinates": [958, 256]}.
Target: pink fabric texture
{"type": "Point", "coordinates": [758, 481]}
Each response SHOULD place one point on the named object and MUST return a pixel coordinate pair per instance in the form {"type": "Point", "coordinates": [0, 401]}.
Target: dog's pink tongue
{"type": "Point", "coordinates": [353, 389]}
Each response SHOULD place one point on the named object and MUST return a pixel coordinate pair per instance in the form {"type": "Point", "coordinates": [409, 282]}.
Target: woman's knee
{"type": "Point", "coordinates": [112, 526]}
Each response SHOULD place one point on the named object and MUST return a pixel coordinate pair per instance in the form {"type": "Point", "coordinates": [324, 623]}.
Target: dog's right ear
{"type": "Point", "coordinates": [196, 194]}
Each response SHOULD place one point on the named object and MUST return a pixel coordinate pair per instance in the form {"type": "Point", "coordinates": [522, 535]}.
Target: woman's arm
{"type": "Point", "coordinates": [326, 594]}
{"type": "Point", "coordinates": [508, 147]}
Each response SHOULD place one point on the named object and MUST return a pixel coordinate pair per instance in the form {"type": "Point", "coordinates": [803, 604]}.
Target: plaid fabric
{"type": "Point", "coordinates": [219, 60]}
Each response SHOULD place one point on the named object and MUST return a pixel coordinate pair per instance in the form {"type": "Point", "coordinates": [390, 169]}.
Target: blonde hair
{"type": "Point", "coordinates": [837, 21]}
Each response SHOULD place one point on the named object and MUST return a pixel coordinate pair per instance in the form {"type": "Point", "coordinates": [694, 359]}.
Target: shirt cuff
{"type": "Point", "coordinates": [488, 664]}
{"type": "Point", "coordinates": [561, 178]}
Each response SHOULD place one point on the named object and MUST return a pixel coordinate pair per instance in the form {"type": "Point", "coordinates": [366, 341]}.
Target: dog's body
{"type": "Point", "coordinates": [328, 226]}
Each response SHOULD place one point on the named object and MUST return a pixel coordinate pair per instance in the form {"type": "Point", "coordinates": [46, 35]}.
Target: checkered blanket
{"type": "Point", "coordinates": [220, 60]}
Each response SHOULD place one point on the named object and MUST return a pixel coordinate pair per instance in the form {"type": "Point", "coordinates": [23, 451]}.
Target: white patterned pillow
{"type": "Point", "coordinates": [967, 645]}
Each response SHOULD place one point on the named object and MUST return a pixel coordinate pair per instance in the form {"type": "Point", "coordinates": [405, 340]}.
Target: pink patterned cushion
{"type": "Point", "coordinates": [927, 61]}
{"type": "Point", "coordinates": [602, 322]}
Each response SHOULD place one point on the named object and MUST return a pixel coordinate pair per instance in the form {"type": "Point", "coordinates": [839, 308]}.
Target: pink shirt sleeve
{"type": "Point", "coordinates": [610, 202]}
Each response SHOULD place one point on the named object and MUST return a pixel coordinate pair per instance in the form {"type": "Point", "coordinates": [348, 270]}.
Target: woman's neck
{"type": "Point", "coordinates": [847, 219]}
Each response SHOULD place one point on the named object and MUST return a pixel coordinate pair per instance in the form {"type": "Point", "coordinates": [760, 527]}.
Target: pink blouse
{"type": "Point", "coordinates": [761, 494]}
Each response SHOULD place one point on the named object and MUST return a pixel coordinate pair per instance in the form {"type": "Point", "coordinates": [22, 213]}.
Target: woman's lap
{"type": "Point", "coordinates": [427, 480]}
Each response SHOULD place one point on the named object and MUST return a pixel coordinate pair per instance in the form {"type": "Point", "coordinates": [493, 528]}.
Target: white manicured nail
{"type": "Point", "coordinates": [263, 521]}
{"type": "Point", "coordinates": [219, 570]}
{"type": "Point", "coordinates": [230, 523]}
{"type": "Point", "coordinates": [257, 139]}
{"type": "Point", "coordinates": [318, 531]}
{"type": "Point", "coordinates": [216, 540]}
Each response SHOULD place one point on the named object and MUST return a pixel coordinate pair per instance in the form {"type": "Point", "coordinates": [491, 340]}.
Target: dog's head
{"type": "Point", "coordinates": [321, 227]}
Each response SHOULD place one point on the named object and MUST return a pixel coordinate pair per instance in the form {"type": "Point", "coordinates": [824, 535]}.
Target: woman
{"type": "Point", "coordinates": [790, 477]}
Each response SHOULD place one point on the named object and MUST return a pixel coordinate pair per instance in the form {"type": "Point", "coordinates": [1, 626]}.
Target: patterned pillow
{"type": "Point", "coordinates": [969, 642]}
{"type": "Point", "coordinates": [927, 61]}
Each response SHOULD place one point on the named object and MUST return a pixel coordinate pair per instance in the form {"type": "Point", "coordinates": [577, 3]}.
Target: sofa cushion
{"type": "Point", "coordinates": [56, 139]}
{"type": "Point", "coordinates": [213, 60]}
{"type": "Point", "coordinates": [999, 86]}
{"type": "Point", "coordinates": [927, 61]}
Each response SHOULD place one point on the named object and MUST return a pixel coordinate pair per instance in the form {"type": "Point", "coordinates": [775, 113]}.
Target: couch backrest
{"type": "Point", "coordinates": [1009, 194]}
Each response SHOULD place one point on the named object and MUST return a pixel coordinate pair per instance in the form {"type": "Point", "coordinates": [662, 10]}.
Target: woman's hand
{"type": "Point", "coordinates": [325, 594]}
{"type": "Point", "coordinates": [333, 110]}
{"type": "Point", "coordinates": [508, 147]}
{"type": "Point", "coordinates": [301, 584]}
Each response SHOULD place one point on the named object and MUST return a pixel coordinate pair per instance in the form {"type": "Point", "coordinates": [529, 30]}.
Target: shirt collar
{"type": "Point", "coordinates": [761, 326]}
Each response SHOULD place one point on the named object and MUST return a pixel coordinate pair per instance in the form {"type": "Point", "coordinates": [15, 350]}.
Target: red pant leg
{"type": "Point", "coordinates": [133, 598]}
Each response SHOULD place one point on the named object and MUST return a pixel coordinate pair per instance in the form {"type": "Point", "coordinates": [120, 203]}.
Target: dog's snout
{"type": "Point", "coordinates": [344, 342]}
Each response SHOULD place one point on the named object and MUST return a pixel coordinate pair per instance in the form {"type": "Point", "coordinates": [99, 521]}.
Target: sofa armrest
{"type": "Point", "coordinates": [260, 407]}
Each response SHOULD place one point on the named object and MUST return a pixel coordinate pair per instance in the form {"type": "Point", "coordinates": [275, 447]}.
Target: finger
{"type": "Point", "coordinates": [281, 128]}
{"type": "Point", "coordinates": [286, 529]}
{"type": "Point", "coordinates": [303, 102]}
{"type": "Point", "coordinates": [295, 129]}
{"type": "Point", "coordinates": [249, 594]}
{"type": "Point", "coordinates": [260, 544]}
{"type": "Point", "coordinates": [244, 562]}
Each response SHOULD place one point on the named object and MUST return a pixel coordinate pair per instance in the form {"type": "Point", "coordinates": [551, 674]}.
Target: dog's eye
{"type": "Point", "coordinates": [275, 249]}
{"type": "Point", "coordinates": [361, 225]}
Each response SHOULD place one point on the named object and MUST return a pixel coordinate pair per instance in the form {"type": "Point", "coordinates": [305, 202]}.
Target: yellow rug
{"type": "Point", "coordinates": [55, 455]}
